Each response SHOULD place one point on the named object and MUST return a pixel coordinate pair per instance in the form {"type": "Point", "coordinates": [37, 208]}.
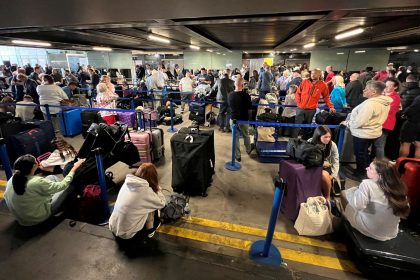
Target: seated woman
{"type": "Point", "coordinates": [63, 153]}
{"type": "Point", "coordinates": [375, 207]}
{"type": "Point", "coordinates": [33, 199]}
{"type": "Point", "coordinates": [322, 136]}
{"type": "Point", "coordinates": [135, 214]}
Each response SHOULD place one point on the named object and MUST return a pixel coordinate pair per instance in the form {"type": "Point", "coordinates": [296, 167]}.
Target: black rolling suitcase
{"type": "Point", "coordinates": [34, 141]}
{"type": "Point", "coordinates": [382, 259]}
{"type": "Point", "coordinates": [88, 117]}
{"type": "Point", "coordinates": [191, 163]}
{"type": "Point", "coordinates": [197, 112]}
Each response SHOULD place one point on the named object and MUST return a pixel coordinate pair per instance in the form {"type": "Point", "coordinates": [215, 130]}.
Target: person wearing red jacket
{"type": "Point", "coordinates": [391, 88]}
{"type": "Point", "coordinates": [307, 98]}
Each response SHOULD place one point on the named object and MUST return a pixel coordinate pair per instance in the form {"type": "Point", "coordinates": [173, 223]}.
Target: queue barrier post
{"type": "Point", "coordinates": [132, 103]}
{"type": "Point", "coordinates": [101, 179]}
{"type": "Point", "coordinates": [5, 159]}
{"type": "Point", "coordinates": [263, 251]}
{"type": "Point", "coordinates": [172, 129]}
{"type": "Point", "coordinates": [140, 123]}
{"type": "Point", "coordinates": [47, 111]}
{"type": "Point", "coordinates": [232, 165]}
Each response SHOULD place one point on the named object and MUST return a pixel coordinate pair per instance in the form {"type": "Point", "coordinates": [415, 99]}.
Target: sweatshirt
{"type": "Point", "coordinates": [395, 106]}
{"type": "Point", "coordinates": [369, 212]}
{"type": "Point", "coordinates": [34, 206]}
{"type": "Point", "coordinates": [135, 201]}
{"type": "Point", "coordinates": [367, 118]}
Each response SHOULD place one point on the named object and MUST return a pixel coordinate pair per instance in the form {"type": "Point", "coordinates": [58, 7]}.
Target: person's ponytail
{"type": "Point", "coordinates": [23, 167]}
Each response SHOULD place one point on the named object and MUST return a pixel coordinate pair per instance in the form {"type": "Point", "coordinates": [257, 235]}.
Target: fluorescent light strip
{"type": "Point", "coordinates": [340, 53]}
{"type": "Point", "coordinates": [349, 33]}
{"type": "Point", "coordinates": [158, 39]}
{"type": "Point", "coordinates": [218, 53]}
{"type": "Point", "coordinates": [224, 54]}
{"type": "Point", "coordinates": [102, 49]}
{"type": "Point", "coordinates": [416, 50]}
{"type": "Point", "coordinates": [292, 50]}
{"type": "Point", "coordinates": [310, 45]}
{"type": "Point", "coordinates": [209, 50]}
{"type": "Point", "coordinates": [359, 51]}
{"type": "Point", "coordinates": [194, 47]}
{"type": "Point", "coordinates": [31, 43]}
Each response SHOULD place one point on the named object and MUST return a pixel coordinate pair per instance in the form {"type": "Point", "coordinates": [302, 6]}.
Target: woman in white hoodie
{"type": "Point", "coordinates": [135, 214]}
{"type": "Point", "coordinates": [366, 122]}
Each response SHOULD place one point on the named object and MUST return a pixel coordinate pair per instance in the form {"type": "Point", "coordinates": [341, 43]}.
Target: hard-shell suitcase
{"type": "Point", "coordinates": [191, 160]}
{"type": "Point", "coordinates": [45, 126]}
{"type": "Point", "coordinates": [34, 141]}
{"type": "Point", "coordinates": [70, 122]}
{"type": "Point", "coordinates": [271, 152]}
{"type": "Point", "coordinates": [143, 142]}
{"type": "Point", "coordinates": [398, 257]}
{"type": "Point", "coordinates": [409, 169]}
{"type": "Point", "coordinates": [158, 148]}
{"type": "Point", "coordinates": [128, 118]}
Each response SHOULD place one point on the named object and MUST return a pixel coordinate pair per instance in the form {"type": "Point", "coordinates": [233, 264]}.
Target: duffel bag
{"type": "Point", "coordinates": [304, 152]}
{"type": "Point", "coordinates": [326, 117]}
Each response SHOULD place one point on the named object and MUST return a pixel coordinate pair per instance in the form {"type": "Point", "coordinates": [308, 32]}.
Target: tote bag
{"type": "Point", "coordinates": [314, 217]}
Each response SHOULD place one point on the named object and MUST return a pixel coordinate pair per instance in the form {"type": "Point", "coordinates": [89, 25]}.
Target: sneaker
{"type": "Point", "coordinates": [150, 235]}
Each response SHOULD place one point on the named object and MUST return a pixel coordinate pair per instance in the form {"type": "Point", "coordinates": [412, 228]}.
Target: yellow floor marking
{"type": "Point", "coordinates": [3, 183]}
{"type": "Point", "coordinates": [1, 194]}
{"type": "Point", "coordinates": [236, 243]}
{"type": "Point", "coordinates": [262, 233]}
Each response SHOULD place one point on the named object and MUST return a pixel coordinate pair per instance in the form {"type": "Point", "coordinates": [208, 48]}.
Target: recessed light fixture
{"type": "Point", "coordinates": [194, 47]}
{"type": "Point", "coordinates": [416, 50]}
{"type": "Point", "coordinates": [310, 45]}
{"type": "Point", "coordinates": [283, 52]}
{"type": "Point", "coordinates": [218, 53]}
{"type": "Point", "coordinates": [360, 51]}
{"type": "Point", "coordinates": [31, 43]}
{"type": "Point", "coordinates": [349, 33]}
{"type": "Point", "coordinates": [339, 53]}
{"type": "Point", "coordinates": [224, 54]}
{"type": "Point", "coordinates": [102, 49]}
{"type": "Point", "coordinates": [209, 50]}
{"type": "Point", "coordinates": [292, 50]}
{"type": "Point", "coordinates": [245, 52]}
{"type": "Point", "coordinates": [229, 51]}
{"type": "Point", "coordinates": [158, 39]}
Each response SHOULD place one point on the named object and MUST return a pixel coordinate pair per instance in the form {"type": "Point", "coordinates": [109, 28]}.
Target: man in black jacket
{"type": "Point", "coordinates": [411, 92]}
{"type": "Point", "coordinates": [239, 103]}
{"type": "Point", "coordinates": [29, 88]}
{"type": "Point", "coordinates": [354, 91]}
{"type": "Point", "coordinates": [224, 87]}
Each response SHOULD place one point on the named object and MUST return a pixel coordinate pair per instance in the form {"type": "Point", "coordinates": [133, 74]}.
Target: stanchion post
{"type": "Point", "coordinates": [47, 111]}
{"type": "Point", "coordinates": [172, 128]}
{"type": "Point", "coordinates": [132, 103]}
{"type": "Point", "coordinates": [5, 159]}
{"type": "Point", "coordinates": [232, 165]}
{"type": "Point", "coordinates": [340, 144]}
{"type": "Point", "coordinates": [102, 182]}
{"type": "Point", "coordinates": [262, 251]}
{"type": "Point", "coordinates": [140, 123]}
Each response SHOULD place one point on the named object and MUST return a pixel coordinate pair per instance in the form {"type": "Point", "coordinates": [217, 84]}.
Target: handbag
{"type": "Point", "coordinates": [314, 217]}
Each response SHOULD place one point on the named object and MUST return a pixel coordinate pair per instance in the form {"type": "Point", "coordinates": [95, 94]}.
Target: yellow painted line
{"type": "Point", "coordinates": [1, 194]}
{"type": "Point", "coordinates": [236, 243]}
{"type": "Point", "coordinates": [292, 238]}
{"type": "Point", "coordinates": [3, 183]}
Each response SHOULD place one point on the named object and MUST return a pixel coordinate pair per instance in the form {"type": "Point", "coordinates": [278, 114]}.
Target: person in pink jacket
{"type": "Point", "coordinates": [391, 90]}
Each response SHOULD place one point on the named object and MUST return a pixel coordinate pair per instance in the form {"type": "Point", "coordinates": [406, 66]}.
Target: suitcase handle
{"type": "Point", "coordinates": [189, 138]}
{"type": "Point", "coordinates": [403, 161]}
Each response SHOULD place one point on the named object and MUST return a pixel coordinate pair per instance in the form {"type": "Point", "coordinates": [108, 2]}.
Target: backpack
{"type": "Point", "coordinates": [91, 207]}
{"type": "Point", "coordinates": [304, 152]}
{"type": "Point", "coordinates": [175, 209]}
{"type": "Point", "coordinates": [326, 117]}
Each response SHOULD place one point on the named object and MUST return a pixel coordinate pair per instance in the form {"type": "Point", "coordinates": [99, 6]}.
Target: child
{"type": "Point", "coordinates": [63, 154]}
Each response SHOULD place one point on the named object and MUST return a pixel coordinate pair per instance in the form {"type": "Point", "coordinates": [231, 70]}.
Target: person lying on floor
{"type": "Point", "coordinates": [34, 199]}
{"type": "Point", "coordinates": [135, 214]}
{"type": "Point", "coordinates": [375, 207]}
{"type": "Point", "coordinates": [322, 135]}
{"type": "Point", "coordinates": [63, 153]}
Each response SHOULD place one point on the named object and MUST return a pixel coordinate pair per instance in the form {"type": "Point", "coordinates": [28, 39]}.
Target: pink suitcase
{"type": "Point", "coordinates": [143, 142]}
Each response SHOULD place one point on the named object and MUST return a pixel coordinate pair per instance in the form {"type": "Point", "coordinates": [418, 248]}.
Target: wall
{"type": "Point", "coordinates": [196, 60]}
{"type": "Point", "coordinates": [349, 61]}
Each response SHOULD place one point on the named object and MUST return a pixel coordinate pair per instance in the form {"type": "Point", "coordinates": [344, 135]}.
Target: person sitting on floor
{"type": "Point", "coordinates": [26, 113]}
{"type": "Point", "coordinates": [63, 153]}
{"type": "Point", "coordinates": [34, 199]}
{"type": "Point", "coordinates": [322, 135]}
{"type": "Point", "coordinates": [375, 207]}
{"type": "Point", "coordinates": [135, 214]}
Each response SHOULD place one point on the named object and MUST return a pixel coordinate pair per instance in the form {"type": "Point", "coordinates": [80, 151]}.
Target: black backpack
{"type": "Point", "coordinates": [175, 209]}
{"type": "Point", "coordinates": [326, 117]}
{"type": "Point", "coordinates": [307, 153]}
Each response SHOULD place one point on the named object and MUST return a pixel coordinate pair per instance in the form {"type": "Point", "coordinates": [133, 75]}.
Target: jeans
{"type": "Point", "coordinates": [361, 152]}
{"type": "Point", "coordinates": [303, 116]}
{"type": "Point", "coordinates": [244, 130]}
{"type": "Point", "coordinates": [379, 144]}
{"type": "Point", "coordinates": [58, 200]}
{"type": "Point", "coordinates": [224, 116]}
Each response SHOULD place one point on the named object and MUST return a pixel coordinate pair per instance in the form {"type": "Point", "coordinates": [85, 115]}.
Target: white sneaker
{"type": "Point", "coordinates": [150, 235]}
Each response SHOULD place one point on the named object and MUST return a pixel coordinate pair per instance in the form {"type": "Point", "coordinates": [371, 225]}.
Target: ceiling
{"type": "Point", "coordinates": [286, 31]}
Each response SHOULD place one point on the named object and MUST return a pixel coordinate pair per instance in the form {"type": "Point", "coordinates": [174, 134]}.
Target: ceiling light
{"type": "Point", "coordinates": [194, 47]}
{"type": "Point", "coordinates": [218, 53]}
{"type": "Point", "coordinates": [247, 52]}
{"type": "Point", "coordinates": [340, 53]}
{"type": "Point", "coordinates": [310, 45]}
{"type": "Point", "coordinates": [416, 50]}
{"type": "Point", "coordinates": [349, 33]}
{"type": "Point", "coordinates": [292, 50]}
{"type": "Point", "coordinates": [359, 51]}
{"type": "Point", "coordinates": [272, 54]}
{"type": "Point", "coordinates": [157, 55]}
{"type": "Point", "coordinates": [31, 43]}
{"type": "Point", "coordinates": [229, 51]}
{"type": "Point", "coordinates": [224, 54]}
{"type": "Point", "coordinates": [102, 49]}
{"type": "Point", "coordinates": [209, 50]}
{"type": "Point", "coordinates": [283, 52]}
{"type": "Point", "coordinates": [158, 39]}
